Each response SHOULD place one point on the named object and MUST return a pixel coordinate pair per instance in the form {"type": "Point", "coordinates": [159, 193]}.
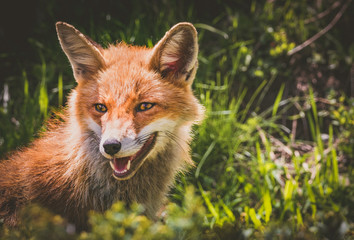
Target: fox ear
{"type": "Point", "coordinates": [175, 55]}
{"type": "Point", "coordinates": [83, 53]}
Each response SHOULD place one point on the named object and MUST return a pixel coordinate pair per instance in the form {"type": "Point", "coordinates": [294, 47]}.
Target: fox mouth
{"type": "Point", "coordinates": [125, 167]}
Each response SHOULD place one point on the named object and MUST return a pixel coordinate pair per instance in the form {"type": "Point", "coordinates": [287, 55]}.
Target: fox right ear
{"type": "Point", "coordinates": [175, 56]}
{"type": "Point", "coordinates": [83, 53]}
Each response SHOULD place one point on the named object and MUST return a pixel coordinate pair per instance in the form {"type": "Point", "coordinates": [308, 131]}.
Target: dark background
{"type": "Point", "coordinates": [28, 41]}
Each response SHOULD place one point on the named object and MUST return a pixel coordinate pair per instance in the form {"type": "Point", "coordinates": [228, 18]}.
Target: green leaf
{"type": "Point", "coordinates": [252, 213]}
{"type": "Point", "coordinates": [267, 203]}
{"type": "Point", "coordinates": [288, 190]}
{"type": "Point", "coordinates": [228, 212]}
{"type": "Point", "coordinates": [299, 217]}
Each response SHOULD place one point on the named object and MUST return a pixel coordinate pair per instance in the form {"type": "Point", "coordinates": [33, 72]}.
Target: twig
{"type": "Point", "coordinates": [322, 32]}
{"type": "Point", "coordinates": [293, 131]}
{"type": "Point", "coordinates": [278, 143]}
{"type": "Point", "coordinates": [322, 14]}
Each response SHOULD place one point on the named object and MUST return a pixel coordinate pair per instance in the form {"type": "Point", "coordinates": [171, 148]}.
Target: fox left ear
{"type": "Point", "coordinates": [175, 56]}
{"type": "Point", "coordinates": [83, 53]}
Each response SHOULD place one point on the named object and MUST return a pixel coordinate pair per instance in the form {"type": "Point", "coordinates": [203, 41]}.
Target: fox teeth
{"type": "Point", "coordinates": [128, 165]}
{"type": "Point", "coordinates": [121, 172]}
{"type": "Point", "coordinates": [127, 168]}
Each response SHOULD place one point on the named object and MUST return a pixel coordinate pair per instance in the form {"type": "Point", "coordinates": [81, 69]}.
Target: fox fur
{"type": "Point", "coordinates": [138, 97]}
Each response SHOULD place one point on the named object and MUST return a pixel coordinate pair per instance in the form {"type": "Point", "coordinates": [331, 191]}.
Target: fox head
{"type": "Point", "coordinates": [136, 100]}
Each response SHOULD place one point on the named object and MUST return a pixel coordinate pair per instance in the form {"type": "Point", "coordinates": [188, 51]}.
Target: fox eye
{"type": "Point", "coordinates": [99, 107]}
{"type": "Point", "coordinates": [144, 106]}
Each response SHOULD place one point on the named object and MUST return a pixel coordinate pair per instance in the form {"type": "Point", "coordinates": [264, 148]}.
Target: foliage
{"type": "Point", "coordinates": [120, 222]}
{"type": "Point", "coordinates": [38, 223]}
{"type": "Point", "coordinates": [274, 155]}
{"type": "Point", "coordinates": [183, 222]}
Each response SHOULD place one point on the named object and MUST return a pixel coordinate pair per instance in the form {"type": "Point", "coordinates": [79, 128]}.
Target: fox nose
{"type": "Point", "coordinates": [112, 146]}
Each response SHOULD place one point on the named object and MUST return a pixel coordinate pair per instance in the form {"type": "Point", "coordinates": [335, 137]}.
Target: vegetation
{"type": "Point", "coordinates": [274, 157]}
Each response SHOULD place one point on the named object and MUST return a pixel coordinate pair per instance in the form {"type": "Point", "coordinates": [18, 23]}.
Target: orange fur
{"type": "Point", "coordinates": [68, 168]}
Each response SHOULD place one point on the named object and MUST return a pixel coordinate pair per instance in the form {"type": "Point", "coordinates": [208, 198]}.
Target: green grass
{"type": "Point", "coordinates": [268, 164]}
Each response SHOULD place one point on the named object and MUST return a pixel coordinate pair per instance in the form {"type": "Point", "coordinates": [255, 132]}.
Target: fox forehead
{"type": "Point", "coordinates": [127, 75]}
{"type": "Point", "coordinates": [120, 81]}
{"type": "Point", "coordinates": [127, 54]}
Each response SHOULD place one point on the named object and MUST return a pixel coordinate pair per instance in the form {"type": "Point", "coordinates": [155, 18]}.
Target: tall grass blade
{"type": "Point", "coordinates": [43, 99]}
{"type": "Point", "coordinates": [313, 105]}
{"type": "Point", "coordinates": [25, 87]}
{"type": "Point", "coordinates": [239, 100]}
{"type": "Point", "coordinates": [60, 89]}
{"type": "Point", "coordinates": [312, 126]}
{"type": "Point", "coordinates": [267, 87]}
{"type": "Point", "coordinates": [277, 100]}
{"type": "Point", "coordinates": [208, 203]}
{"type": "Point", "coordinates": [334, 157]}
{"type": "Point", "coordinates": [205, 156]}
{"type": "Point", "coordinates": [317, 165]}
{"type": "Point", "coordinates": [253, 97]}
{"type": "Point", "coordinates": [211, 29]}
{"type": "Point", "coordinates": [319, 141]}
{"type": "Point", "coordinates": [43, 95]}
{"type": "Point", "coordinates": [259, 154]}
{"type": "Point", "coordinates": [312, 198]}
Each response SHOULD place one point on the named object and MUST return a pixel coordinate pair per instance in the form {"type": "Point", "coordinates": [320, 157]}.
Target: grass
{"type": "Point", "coordinates": [252, 178]}
{"type": "Point", "coordinates": [268, 165]}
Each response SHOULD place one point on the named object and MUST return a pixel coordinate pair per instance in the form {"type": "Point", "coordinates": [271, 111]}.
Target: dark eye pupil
{"type": "Point", "coordinates": [145, 106]}
{"type": "Point", "coordinates": [100, 108]}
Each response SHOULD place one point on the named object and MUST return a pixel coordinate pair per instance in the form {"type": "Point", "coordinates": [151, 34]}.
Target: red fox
{"type": "Point", "coordinates": [125, 132]}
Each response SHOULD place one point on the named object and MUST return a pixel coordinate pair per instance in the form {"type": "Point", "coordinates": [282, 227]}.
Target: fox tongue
{"type": "Point", "coordinates": [122, 164]}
